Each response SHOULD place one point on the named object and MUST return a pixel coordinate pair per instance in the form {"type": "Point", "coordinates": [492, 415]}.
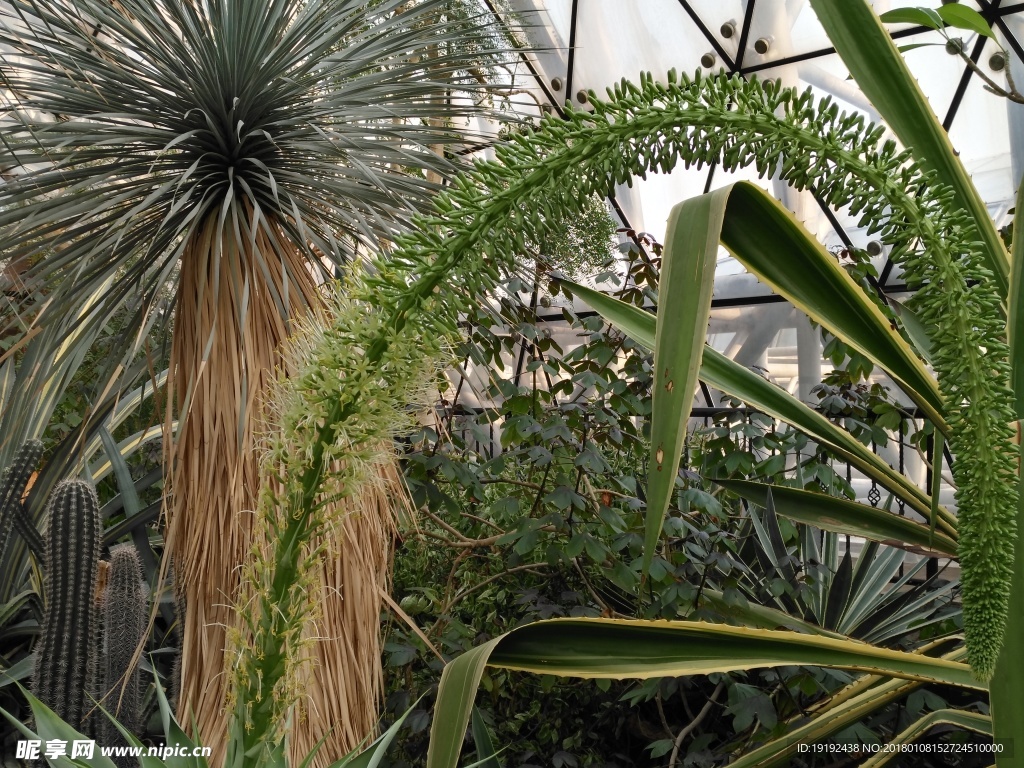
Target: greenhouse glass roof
{"type": "Point", "coordinates": [584, 45]}
{"type": "Point", "coordinates": [592, 44]}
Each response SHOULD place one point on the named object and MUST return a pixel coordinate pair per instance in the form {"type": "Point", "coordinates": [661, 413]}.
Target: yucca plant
{"type": "Point", "coordinates": [239, 152]}
{"type": "Point", "coordinates": [922, 204]}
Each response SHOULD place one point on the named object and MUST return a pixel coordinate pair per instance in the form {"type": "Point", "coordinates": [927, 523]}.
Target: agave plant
{"type": "Point", "coordinates": [871, 597]}
{"type": "Point", "coordinates": [239, 153]}
{"type": "Point", "coordinates": [923, 204]}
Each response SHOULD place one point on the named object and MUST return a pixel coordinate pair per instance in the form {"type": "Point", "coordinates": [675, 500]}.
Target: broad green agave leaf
{"type": "Point", "coordinates": [768, 240]}
{"type": "Point", "coordinates": [750, 614]}
{"type": "Point", "coordinates": [770, 243]}
{"type": "Point", "coordinates": [776, 248]}
{"type": "Point", "coordinates": [1006, 699]}
{"type": "Point", "coordinates": [617, 649]}
{"type": "Point", "coordinates": [48, 727]}
{"type": "Point", "coordinates": [843, 516]}
{"type": "Point", "coordinates": [1008, 681]}
{"type": "Point", "coordinates": [686, 284]}
{"type": "Point", "coordinates": [1015, 317]}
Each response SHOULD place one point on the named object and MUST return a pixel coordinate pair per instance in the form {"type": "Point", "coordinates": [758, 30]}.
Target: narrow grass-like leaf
{"type": "Point", "coordinates": [20, 670]}
{"type": "Point", "coordinates": [174, 735]}
{"type": "Point", "coordinates": [486, 754]}
{"type": "Point", "coordinates": [752, 615]}
{"type": "Point", "coordinates": [456, 691]}
{"type": "Point", "coordinates": [780, 751]}
{"type": "Point", "coordinates": [49, 727]}
{"type": "Point", "coordinates": [969, 721]}
{"type": "Point", "coordinates": [373, 755]}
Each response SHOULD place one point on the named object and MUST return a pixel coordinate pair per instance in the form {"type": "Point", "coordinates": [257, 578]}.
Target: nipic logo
{"type": "Point", "coordinates": [36, 749]}
{"type": "Point", "coordinates": [30, 749]}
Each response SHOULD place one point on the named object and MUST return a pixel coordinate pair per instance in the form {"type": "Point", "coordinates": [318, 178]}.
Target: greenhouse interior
{"type": "Point", "coordinates": [511, 383]}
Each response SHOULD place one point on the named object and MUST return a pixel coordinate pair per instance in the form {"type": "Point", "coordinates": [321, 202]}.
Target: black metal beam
{"type": "Point", "coordinates": [965, 78]}
{"type": "Point", "coordinates": [709, 35]}
{"type": "Point", "coordinates": [744, 35]}
{"type": "Point", "coordinates": [821, 52]}
{"type": "Point", "coordinates": [571, 61]}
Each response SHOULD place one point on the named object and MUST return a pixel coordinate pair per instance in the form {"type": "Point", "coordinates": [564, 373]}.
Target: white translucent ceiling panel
{"type": "Point", "coordinates": [720, 22]}
{"type": "Point", "coordinates": [620, 38]}
{"type": "Point", "coordinates": [984, 145]}
{"type": "Point", "coordinates": [804, 33]}
{"type": "Point", "coordinates": [617, 39]}
{"type": "Point", "coordinates": [548, 24]}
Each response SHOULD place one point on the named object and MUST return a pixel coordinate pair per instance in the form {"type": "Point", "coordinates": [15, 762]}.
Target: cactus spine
{"type": "Point", "coordinates": [125, 606]}
{"type": "Point", "coordinates": [65, 672]}
{"type": "Point", "coordinates": [12, 488]}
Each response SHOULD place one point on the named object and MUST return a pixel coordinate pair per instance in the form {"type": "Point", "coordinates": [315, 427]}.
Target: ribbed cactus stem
{"type": "Point", "coordinates": [125, 607]}
{"type": "Point", "coordinates": [12, 487]}
{"type": "Point", "coordinates": [65, 672]}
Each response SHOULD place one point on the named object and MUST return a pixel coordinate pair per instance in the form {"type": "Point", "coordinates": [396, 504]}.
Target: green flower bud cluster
{"type": "Point", "coordinates": [335, 418]}
{"type": "Point", "coordinates": [483, 221]}
{"type": "Point", "coordinates": [391, 328]}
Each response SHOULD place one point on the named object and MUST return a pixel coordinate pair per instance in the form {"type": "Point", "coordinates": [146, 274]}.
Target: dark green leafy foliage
{"type": "Point", "coordinates": [533, 509]}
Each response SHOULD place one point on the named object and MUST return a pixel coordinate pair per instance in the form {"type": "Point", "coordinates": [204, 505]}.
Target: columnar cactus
{"type": "Point", "coordinates": [125, 606]}
{"type": "Point", "coordinates": [65, 672]}
{"type": "Point", "coordinates": [12, 487]}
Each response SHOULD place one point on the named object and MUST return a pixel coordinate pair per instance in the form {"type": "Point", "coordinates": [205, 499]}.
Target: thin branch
{"type": "Point", "coordinates": [441, 621]}
{"type": "Point", "coordinates": [493, 525]}
{"type": "Point", "coordinates": [693, 724]}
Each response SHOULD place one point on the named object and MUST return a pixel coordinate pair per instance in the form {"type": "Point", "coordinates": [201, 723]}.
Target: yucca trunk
{"type": "Point", "coordinates": [227, 333]}
{"type": "Point", "coordinates": [341, 679]}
